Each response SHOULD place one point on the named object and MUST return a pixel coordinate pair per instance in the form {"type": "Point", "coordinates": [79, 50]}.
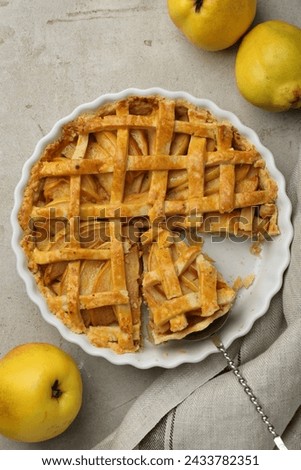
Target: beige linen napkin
{"type": "Point", "coordinates": [202, 406]}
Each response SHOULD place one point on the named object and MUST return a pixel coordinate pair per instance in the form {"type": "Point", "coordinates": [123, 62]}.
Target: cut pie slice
{"type": "Point", "coordinates": [182, 288]}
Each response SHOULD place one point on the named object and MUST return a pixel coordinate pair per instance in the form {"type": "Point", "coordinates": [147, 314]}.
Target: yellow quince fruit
{"type": "Point", "coordinates": [268, 66]}
{"type": "Point", "coordinates": [40, 392]}
{"type": "Point", "coordinates": [212, 24]}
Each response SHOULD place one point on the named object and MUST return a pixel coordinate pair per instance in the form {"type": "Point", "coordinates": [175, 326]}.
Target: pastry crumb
{"type": "Point", "coordinates": [256, 248]}
{"type": "Point", "coordinates": [246, 282]}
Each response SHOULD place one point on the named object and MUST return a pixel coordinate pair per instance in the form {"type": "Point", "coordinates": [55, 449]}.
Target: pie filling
{"type": "Point", "coordinates": [106, 202]}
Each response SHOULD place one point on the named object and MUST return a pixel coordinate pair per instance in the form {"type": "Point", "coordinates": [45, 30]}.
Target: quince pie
{"type": "Point", "coordinates": [105, 199]}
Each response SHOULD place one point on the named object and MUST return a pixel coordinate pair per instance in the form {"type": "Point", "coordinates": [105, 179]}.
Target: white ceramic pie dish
{"type": "Point", "coordinates": [232, 258]}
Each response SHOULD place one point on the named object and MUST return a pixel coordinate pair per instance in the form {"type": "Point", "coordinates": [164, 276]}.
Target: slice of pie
{"type": "Point", "coordinates": [147, 159]}
{"type": "Point", "coordinates": [182, 288]}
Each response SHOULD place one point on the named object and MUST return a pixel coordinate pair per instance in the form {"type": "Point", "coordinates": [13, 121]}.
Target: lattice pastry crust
{"type": "Point", "coordinates": [142, 157]}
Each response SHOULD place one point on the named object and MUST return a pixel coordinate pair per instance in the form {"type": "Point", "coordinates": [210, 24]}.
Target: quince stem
{"type": "Point", "coordinates": [56, 392]}
{"type": "Point", "coordinates": [197, 5]}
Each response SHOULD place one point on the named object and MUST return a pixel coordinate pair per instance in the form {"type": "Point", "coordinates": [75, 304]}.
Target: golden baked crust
{"type": "Point", "coordinates": [141, 157]}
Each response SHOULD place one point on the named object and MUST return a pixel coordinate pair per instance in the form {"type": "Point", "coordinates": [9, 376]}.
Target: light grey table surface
{"type": "Point", "coordinates": [57, 54]}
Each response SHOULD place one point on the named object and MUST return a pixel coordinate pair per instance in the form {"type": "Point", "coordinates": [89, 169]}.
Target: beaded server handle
{"type": "Point", "coordinates": [247, 389]}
